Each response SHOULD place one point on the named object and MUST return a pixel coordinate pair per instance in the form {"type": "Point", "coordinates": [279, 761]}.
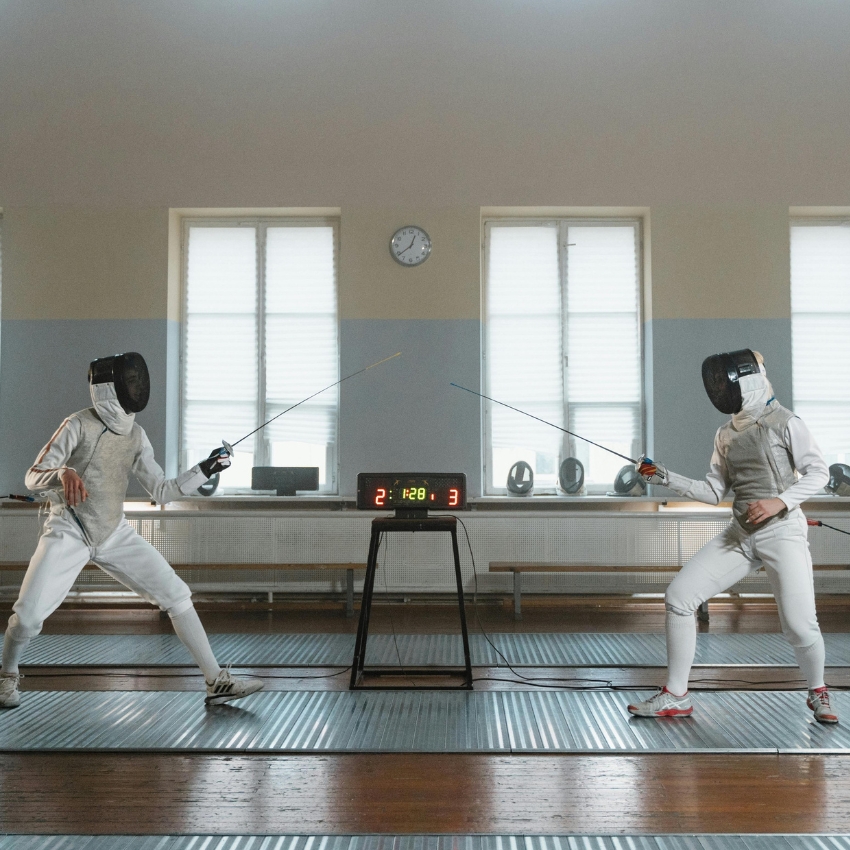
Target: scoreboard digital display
{"type": "Point", "coordinates": [388, 491]}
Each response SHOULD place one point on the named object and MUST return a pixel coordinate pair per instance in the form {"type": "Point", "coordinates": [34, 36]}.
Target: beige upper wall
{"type": "Point", "coordinates": [707, 262]}
{"type": "Point", "coordinates": [720, 263]}
{"type": "Point", "coordinates": [477, 102]}
{"type": "Point", "coordinates": [72, 263]}
{"type": "Point", "coordinates": [374, 286]}
{"type": "Point", "coordinates": [718, 116]}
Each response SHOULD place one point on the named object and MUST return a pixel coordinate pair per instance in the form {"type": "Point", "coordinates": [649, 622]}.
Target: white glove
{"type": "Point", "coordinates": [654, 473]}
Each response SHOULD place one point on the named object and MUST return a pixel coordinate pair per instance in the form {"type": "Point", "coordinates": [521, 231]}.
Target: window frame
{"type": "Point", "coordinates": [260, 223]}
{"type": "Point", "coordinates": [800, 219]}
{"type": "Point", "coordinates": [562, 222]}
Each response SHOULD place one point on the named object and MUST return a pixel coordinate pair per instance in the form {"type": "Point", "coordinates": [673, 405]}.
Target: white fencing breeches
{"type": "Point", "coordinates": [61, 554]}
{"type": "Point", "coordinates": [783, 549]}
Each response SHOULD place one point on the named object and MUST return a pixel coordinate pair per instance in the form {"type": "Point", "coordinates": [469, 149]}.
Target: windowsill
{"type": "Point", "coordinates": [481, 504]}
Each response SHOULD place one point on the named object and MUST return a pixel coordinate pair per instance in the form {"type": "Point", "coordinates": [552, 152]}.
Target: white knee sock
{"type": "Point", "coordinates": [811, 660]}
{"type": "Point", "coordinates": [189, 629]}
{"type": "Point", "coordinates": [13, 650]}
{"type": "Point", "coordinates": [681, 646]}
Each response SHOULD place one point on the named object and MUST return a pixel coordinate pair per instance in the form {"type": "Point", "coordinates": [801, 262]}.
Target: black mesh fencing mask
{"type": "Point", "coordinates": [629, 482]}
{"type": "Point", "coordinates": [721, 374]}
{"type": "Point", "coordinates": [520, 479]}
{"type": "Point", "coordinates": [571, 476]}
{"type": "Point", "coordinates": [839, 480]}
{"type": "Point", "coordinates": [129, 373]}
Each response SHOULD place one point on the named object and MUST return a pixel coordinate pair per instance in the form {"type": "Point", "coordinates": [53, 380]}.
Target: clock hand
{"type": "Point", "coordinates": [407, 248]}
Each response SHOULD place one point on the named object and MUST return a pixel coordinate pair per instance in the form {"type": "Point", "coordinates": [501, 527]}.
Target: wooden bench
{"type": "Point", "coordinates": [520, 567]}
{"type": "Point", "coordinates": [11, 566]}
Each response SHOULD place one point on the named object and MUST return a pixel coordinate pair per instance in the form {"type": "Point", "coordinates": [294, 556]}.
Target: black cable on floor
{"type": "Point", "coordinates": [586, 684]}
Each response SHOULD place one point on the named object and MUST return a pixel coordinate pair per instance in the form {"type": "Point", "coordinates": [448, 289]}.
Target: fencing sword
{"type": "Point", "coordinates": [817, 522]}
{"type": "Point", "coordinates": [552, 424]}
{"type": "Point", "coordinates": [227, 448]}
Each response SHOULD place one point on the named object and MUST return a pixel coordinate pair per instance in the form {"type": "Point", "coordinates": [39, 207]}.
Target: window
{"type": "Point", "coordinates": [562, 341]}
{"type": "Point", "coordinates": [820, 331]}
{"type": "Point", "coordinates": [261, 333]}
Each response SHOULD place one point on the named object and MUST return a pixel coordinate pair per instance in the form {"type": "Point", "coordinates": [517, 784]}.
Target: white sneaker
{"type": "Point", "coordinates": [663, 704]}
{"type": "Point", "coordinates": [818, 702]}
{"type": "Point", "coordinates": [10, 696]}
{"type": "Point", "coordinates": [226, 687]}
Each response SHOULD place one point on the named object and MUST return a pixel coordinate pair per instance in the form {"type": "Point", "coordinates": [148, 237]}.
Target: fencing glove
{"type": "Point", "coordinates": [653, 472]}
{"type": "Point", "coordinates": [218, 460]}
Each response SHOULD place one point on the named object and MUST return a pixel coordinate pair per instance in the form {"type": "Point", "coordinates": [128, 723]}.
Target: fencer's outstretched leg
{"type": "Point", "coordinates": [811, 660]}
{"type": "Point", "coordinates": [130, 559]}
{"type": "Point", "coordinates": [673, 700]}
{"type": "Point", "coordinates": [788, 564]}
{"type": "Point", "coordinates": [718, 565]}
{"type": "Point", "coordinates": [13, 650]}
{"type": "Point", "coordinates": [681, 632]}
{"type": "Point", "coordinates": [60, 555]}
{"type": "Point", "coordinates": [188, 627]}
{"type": "Point", "coordinates": [221, 686]}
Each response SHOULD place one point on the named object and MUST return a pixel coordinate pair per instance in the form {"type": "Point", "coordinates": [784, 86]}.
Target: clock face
{"type": "Point", "coordinates": [410, 246]}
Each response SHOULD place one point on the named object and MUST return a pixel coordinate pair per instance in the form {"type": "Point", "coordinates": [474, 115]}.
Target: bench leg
{"type": "Point", "coordinates": [349, 593]}
{"type": "Point", "coordinates": [702, 612]}
{"type": "Point", "coordinates": [271, 597]}
{"type": "Point", "coordinates": [517, 596]}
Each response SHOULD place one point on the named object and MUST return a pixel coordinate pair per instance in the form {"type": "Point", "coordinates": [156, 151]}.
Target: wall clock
{"type": "Point", "coordinates": [410, 246]}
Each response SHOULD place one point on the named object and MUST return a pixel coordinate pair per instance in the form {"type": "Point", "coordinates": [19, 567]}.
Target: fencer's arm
{"type": "Point", "coordinates": [161, 489]}
{"type": "Point", "coordinates": [46, 473]}
{"type": "Point", "coordinates": [808, 461]}
{"type": "Point", "coordinates": [711, 489]}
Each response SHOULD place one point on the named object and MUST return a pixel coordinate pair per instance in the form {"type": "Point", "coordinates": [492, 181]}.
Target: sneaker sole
{"type": "Point", "coordinates": [10, 704]}
{"type": "Point", "coordinates": [667, 712]}
{"type": "Point", "coordinates": [223, 698]}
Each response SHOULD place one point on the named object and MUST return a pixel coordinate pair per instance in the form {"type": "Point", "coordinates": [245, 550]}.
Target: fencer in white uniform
{"type": "Point", "coordinates": [769, 459]}
{"type": "Point", "coordinates": [85, 470]}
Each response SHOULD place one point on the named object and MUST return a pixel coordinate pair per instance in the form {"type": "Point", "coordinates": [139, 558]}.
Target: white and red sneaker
{"type": "Point", "coordinates": [664, 704]}
{"type": "Point", "coordinates": [818, 702]}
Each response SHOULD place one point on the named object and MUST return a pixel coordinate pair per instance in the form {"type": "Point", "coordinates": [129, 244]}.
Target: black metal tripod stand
{"type": "Point", "coordinates": [407, 521]}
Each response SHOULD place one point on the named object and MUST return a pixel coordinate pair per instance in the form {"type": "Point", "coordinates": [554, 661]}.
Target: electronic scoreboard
{"type": "Point", "coordinates": [428, 491]}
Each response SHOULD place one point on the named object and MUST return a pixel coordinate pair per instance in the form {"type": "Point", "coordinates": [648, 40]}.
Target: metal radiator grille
{"type": "Point", "coordinates": [423, 562]}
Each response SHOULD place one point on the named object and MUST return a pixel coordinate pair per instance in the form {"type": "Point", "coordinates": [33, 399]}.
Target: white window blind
{"type": "Point", "coordinates": [261, 334]}
{"type": "Point", "coordinates": [820, 327]}
{"type": "Point", "coordinates": [562, 343]}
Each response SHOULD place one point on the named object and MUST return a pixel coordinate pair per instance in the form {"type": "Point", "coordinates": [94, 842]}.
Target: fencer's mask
{"type": "Point", "coordinates": [721, 375]}
{"type": "Point", "coordinates": [839, 480]}
{"type": "Point", "coordinates": [129, 374]}
{"type": "Point", "coordinates": [628, 483]}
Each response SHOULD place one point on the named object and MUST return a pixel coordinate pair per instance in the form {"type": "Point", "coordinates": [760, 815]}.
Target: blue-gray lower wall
{"type": "Point", "coordinates": [684, 419]}
{"type": "Point", "coordinates": [43, 377]}
{"type": "Point", "coordinates": [404, 415]}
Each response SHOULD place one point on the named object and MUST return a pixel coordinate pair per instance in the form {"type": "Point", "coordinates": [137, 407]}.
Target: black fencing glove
{"type": "Point", "coordinates": [218, 460]}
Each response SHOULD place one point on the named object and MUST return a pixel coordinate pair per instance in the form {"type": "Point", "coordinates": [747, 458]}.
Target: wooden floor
{"type": "Point", "coordinates": [389, 793]}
